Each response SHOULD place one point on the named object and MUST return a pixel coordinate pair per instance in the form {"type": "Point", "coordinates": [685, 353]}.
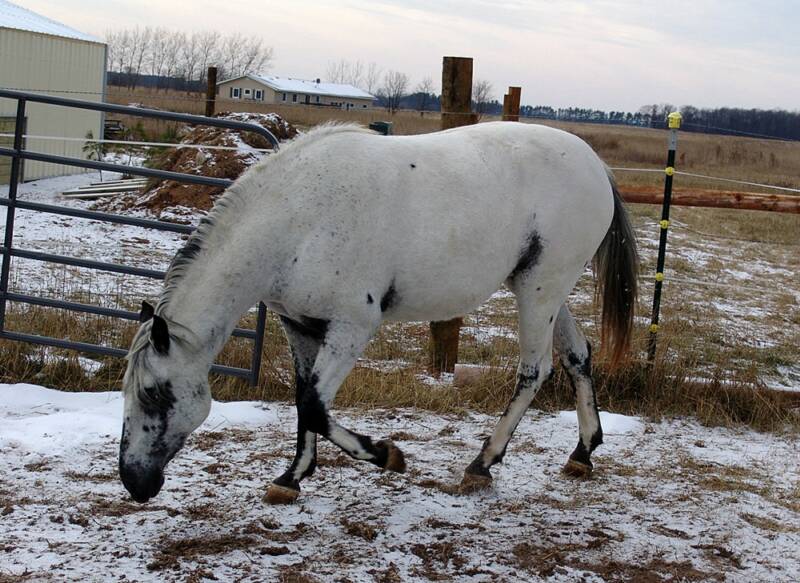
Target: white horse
{"type": "Point", "coordinates": [343, 229]}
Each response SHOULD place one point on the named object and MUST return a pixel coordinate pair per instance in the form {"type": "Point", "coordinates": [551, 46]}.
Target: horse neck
{"type": "Point", "coordinates": [213, 292]}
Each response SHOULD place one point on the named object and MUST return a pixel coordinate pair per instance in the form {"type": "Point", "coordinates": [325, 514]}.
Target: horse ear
{"type": "Point", "coordinates": [146, 312]}
{"type": "Point", "coordinates": [159, 335]}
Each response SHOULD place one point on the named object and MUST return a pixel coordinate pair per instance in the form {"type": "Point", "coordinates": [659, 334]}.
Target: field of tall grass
{"type": "Point", "coordinates": [691, 345]}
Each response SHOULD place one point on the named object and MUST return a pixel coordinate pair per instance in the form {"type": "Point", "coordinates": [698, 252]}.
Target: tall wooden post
{"type": "Point", "coordinates": [211, 92]}
{"type": "Point", "coordinates": [511, 104]}
{"type": "Point", "coordinates": [456, 111]}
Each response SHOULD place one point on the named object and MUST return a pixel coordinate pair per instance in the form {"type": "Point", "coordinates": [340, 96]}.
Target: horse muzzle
{"type": "Point", "coordinates": [142, 483]}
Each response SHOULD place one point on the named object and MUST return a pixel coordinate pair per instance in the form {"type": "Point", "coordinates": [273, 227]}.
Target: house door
{"type": "Point", "coordinates": [308, 99]}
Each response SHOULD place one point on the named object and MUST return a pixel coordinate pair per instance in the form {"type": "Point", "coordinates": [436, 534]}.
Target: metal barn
{"type": "Point", "coordinates": [41, 55]}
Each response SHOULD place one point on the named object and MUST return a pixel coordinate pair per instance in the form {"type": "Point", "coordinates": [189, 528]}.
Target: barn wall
{"type": "Point", "coordinates": [58, 66]}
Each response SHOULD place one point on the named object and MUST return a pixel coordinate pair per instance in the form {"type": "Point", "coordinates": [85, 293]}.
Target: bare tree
{"type": "Point", "coordinates": [172, 51]}
{"type": "Point", "coordinates": [345, 72]}
{"type": "Point", "coordinates": [140, 44]}
{"type": "Point", "coordinates": [208, 52]}
{"type": "Point", "coordinates": [393, 89]}
{"type": "Point", "coordinates": [371, 79]}
{"type": "Point", "coordinates": [169, 54]}
{"type": "Point", "coordinates": [255, 58]}
{"type": "Point", "coordinates": [424, 91]}
{"type": "Point", "coordinates": [481, 95]}
{"type": "Point", "coordinates": [189, 57]}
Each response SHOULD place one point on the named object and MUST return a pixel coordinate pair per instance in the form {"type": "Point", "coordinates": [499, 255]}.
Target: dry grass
{"type": "Point", "coordinates": [662, 390]}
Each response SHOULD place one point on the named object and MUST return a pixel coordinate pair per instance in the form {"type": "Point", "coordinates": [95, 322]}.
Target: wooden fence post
{"type": "Point", "coordinates": [456, 111]}
{"type": "Point", "coordinates": [211, 92]}
{"type": "Point", "coordinates": [511, 102]}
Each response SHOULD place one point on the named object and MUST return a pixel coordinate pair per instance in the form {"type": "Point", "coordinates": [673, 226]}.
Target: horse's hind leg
{"type": "Point", "coordinates": [340, 347]}
{"type": "Point", "coordinates": [575, 354]}
{"type": "Point", "coordinates": [535, 364]}
{"type": "Point", "coordinates": [304, 340]}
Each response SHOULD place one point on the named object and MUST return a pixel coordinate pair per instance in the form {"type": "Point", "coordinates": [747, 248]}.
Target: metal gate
{"type": "Point", "coordinates": [18, 154]}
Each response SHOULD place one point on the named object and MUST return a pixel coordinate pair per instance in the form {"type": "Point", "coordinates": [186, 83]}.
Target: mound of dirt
{"type": "Point", "coordinates": [176, 201]}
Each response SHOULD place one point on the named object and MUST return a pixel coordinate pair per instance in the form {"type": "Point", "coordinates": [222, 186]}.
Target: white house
{"type": "Point", "coordinates": [44, 56]}
{"type": "Point", "coordinates": [290, 91]}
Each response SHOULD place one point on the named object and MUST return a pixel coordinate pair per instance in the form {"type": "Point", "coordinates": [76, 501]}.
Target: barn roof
{"type": "Point", "coordinates": [310, 87]}
{"type": "Point", "coordinates": [19, 18]}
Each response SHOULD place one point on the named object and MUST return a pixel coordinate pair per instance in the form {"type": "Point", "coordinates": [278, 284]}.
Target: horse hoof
{"type": "Point", "coordinates": [280, 495]}
{"type": "Point", "coordinates": [395, 460]}
{"type": "Point", "coordinates": [474, 483]}
{"type": "Point", "coordinates": [576, 469]}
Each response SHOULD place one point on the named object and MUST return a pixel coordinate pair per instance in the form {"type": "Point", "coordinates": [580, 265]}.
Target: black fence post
{"type": "Point", "coordinates": [674, 122]}
{"type": "Point", "coordinates": [258, 344]}
{"type": "Point", "coordinates": [16, 162]}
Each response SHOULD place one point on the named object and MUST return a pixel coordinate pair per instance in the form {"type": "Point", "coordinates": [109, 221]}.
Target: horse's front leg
{"type": "Point", "coordinates": [304, 340]}
{"type": "Point", "coordinates": [340, 347]}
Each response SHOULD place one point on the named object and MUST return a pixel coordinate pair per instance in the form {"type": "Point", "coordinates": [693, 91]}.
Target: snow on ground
{"type": "Point", "coordinates": [672, 501]}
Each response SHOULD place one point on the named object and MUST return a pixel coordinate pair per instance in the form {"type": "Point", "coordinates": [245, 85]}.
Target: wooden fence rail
{"type": "Point", "coordinates": [724, 199]}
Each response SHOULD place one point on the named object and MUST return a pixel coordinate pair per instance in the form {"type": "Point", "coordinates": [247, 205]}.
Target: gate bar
{"type": "Point", "coordinates": [142, 112]}
{"type": "Point", "coordinates": [104, 350]}
{"type": "Point", "coordinates": [88, 263]}
{"type": "Point", "coordinates": [97, 310]}
{"type": "Point", "coordinates": [99, 216]}
{"type": "Point", "coordinates": [8, 238]}
{"type": "Point", "coordinates": [140, 170]}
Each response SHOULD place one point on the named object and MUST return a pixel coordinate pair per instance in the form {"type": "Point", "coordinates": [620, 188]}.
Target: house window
{"type": "Point", "coordinates": [364, 106]}
{"type": "Point", "coordinates": [247, 93]}
{"type": "Point", "coordinates": [284, 97]}
{"type": "Point", "coordinates": [317, 98]}
{"type": "Point", "coordinates": [237, 92]}
{"type": "Point", "coordinates": [294, 97]}
{"type": "Point", "coordinates": [259, 95]}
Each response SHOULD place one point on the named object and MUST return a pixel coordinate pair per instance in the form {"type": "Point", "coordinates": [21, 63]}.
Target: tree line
{"type": "Point", "coordinates": [135, 54]}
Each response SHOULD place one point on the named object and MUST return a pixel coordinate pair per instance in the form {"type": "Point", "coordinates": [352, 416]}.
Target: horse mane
{"type": "Point", "coordinates": [234, 197]}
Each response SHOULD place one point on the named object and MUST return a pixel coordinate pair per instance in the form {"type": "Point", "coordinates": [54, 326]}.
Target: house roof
{"type": "Point", "coordinates": [19, 18]}
{"type": "Point", "coordinates": [310, 87]}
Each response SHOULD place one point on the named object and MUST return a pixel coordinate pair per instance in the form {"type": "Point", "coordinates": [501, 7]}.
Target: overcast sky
{"type": "Point", "coordinates": [608, 54]}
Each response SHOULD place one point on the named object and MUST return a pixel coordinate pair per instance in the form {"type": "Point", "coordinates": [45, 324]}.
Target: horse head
{"type": "Point", "coordinates": [167, 396]}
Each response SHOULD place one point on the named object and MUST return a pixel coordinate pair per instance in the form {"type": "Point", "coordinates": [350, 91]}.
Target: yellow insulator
{"type": "Point", "coordinates": [653, 328]}
{"type": "Point", "coordinates": [664, 224]}
{"type": "Point", "coordinates": [669, 170]}
{"type": "Point", "coordinates": [674, 119]}
{"type": "Point", "coordinates": [659, 276]}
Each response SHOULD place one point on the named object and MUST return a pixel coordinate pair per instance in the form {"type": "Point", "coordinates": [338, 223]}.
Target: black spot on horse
{"type": "Point", "coordinates": [369, 299]}
{"type": "Point", "coordinates": [157, 400]}
{"type": "Point", "coordinates": [310, 410]}
{"type": "Point", "coordinates": [529, 255]}
{"type": "Point", "coordinates": [413, 165]}
{"type": "Point", "coordinates": [389, 299]}
{"type": "Point", "coordinates": [315, 328]}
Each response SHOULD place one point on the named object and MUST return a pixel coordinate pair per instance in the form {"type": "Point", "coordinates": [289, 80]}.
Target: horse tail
{"type": "Point", "coordinates": [616, 265]}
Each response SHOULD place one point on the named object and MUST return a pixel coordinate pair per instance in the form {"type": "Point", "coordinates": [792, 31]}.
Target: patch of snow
{"type": "Point", "coordinates": [680, 498]}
